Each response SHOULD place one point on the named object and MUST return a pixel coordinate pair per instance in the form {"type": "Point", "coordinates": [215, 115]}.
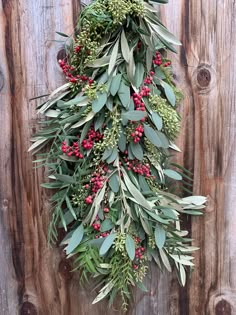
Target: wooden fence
{"type": "Point", "coordinates": [36, 279]}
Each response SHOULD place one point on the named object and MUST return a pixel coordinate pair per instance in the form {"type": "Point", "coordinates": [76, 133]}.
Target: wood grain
{"type": "Point", "coordinates": [206, 71]}
{"type": "Point", "coordinates": [36, 279]}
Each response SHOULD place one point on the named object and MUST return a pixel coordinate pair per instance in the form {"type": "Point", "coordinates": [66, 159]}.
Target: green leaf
{"type": "Point", "coordinates": [98, 104]}
{"type": "Point", "coordinates": [165, 259]}
{"type": "Point", "coordinates": [52, 185]}
{"type": "Point", "coordinates": [143, 183]}
{"type": "Point", "coordinates": [114, 54]}
{"type": "Point", "coordinates": [139, 73]}
{"type": "Point", "coordinates": [125, 47]}
{"type": "Point", "coordinates": [84, 120]}
{"type": "Point", "coordinates": [169, 92]}
{"type": "Point", "coordinates": [106, 154]}
{"type": "Point", "coordinates": [140, 199]}
{"type": "Point", "coordinates": [122, 142]}
{"type": "Point", "coordinates": [107, 225]}
{"type": "Point", "coordinates": [78, 101]}
{"type": "Point", "coordinates": [157, 120]}
{"type": "Point", "coordinates": [75, 240]}
{"type": "Point", "coordinates": [69, 205]}
{"type": "Point", "coordinates": [99, 121]}
{"type": "Point", "coordinates": [109, 103]}
{"type": "Point", "coordinates": [137, 150]}
{"type": "Point", "coordinates": [130, 246]}
{"type": "Point", "coordinates": [114, 183]}
{"type": "Point", "coordinates": [113, 156]}
{"type": "Point", "coordinates": [159, 74]}
{"type": "Point", "coordinates": [131, 67]}
{"type": "Point", "coordinates": [124, 94]}
{"type": "Point", "coordinates": [141, 286]}
{"type": "Point", "coordinates": [164, 140]}
{"type": "Point", "coordinates": [149, 57]}
{"type": "Point", "coordinates": [106, 245]}
{"type": "Point", "coordinates": [160, 236]}
{"type": "Point", "coordinates": [134, 115]}
{"type": "Point", "coordinates": [85, 131]}
{"type": "Point", "coordinates": [37, 144]}
{"type": "Point", "coordinates": [172, 174]}
{"type": "Point", "coordinates": [164, 33]}
{"type": "Point", "coordinates": [69, 158]}
{"type": "Point", "coordinates": [152, 136]}
{"type": "Point", "coordinates": [62, 34]}
{"type": "Point", "coordinates": [182, 274]}
{"type": "Point", "coordinates": [115, 84]}
{"type": "Point", "coordinates": [65, 178]}
{"type": "Point", "coordinates": [101, 62]}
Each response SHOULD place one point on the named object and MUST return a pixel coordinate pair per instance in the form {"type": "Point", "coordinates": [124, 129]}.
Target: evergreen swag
{"type": "Point", "coordinates": [111, 130]}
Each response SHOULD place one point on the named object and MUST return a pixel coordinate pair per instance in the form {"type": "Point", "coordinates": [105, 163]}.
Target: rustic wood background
{"type": "Point", "coordinates": [36, 279]}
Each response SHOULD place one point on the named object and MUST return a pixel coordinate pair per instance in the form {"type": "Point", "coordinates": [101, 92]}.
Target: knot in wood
{"type": "Point", "coordinates": [223, 308]}
{"type": "Point", "coordinates": [28, 309]}
{"type": "Point", "coordinates": [61, 54]}
{"type": "Point", "coordinates": [204, 77]}
{"type": "Point", "coordinates": [65, 269]}
{"type": "Point", "coordinates": [1, 80]}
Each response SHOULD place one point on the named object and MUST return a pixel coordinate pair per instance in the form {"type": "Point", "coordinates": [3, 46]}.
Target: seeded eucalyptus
{"type": "Point", "coordinates": [108, 140]}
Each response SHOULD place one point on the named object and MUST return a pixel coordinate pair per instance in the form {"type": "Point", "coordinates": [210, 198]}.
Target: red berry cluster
{"type": "Point", "coordinates": [137, 133]}
{"type": "Point", "coordinates": [92, 136]}
{"type": "Point", "coordinates": [105, 234]}
{"type": "Point", "coordinates": [167, 64]}
{"type": "Point", "coordinates": [149, 78]}
{"type": "Point", "coordinates": [71, 150]}
{"type": "Point", "coordinates": [138, 256]}
{"type": "Point", "coordinates": [137, 167]}
{"type": "Point", "coordinates": [96, 226]}
{"type": "Point", "coordinates": [77, 49]}
{"type": "Point", "coordinates": [139, 45]}
{"type": "Point", "coordinates": [97, 181]}
{"type": "Point", "coordinates": [67, 70]}
{"type": "Point", "coordinates": [137, 98]}
{"type": "Point", "coordinates": [157, 60]}
{"type": "Point", "coordinates": [89, 200]}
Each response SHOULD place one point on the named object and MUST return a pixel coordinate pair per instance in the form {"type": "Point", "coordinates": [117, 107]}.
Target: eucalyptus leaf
{"type": "Point", "coordinates": [106, 245]}
{"type": "Point", "coordinates": [114, 54]}
{"type": "Point", "coordinates": [125, 47]}
{"type": "Point", "coordinates": [122, 142]}
{"type": "Point", "coordinates": [75, 240]}
{"type": "Point", "coordinates": [124, 94]}
{"type": "Point", "coordinates": [139, 75]}
{"type": "Point", "coordinates": [99, 102]}
{"type": "Point", "coordinates": [157, 120]}
{"type": "Point", "coordinates": [113, 156]}
{"type": "Point", "coordinates": [137, 150]}
{"type": "Point", "coordinates": [114, 183]}
{"type": "Point", "coordinates": [172, 174]}
{"type": "Point", "coordinates": [130, 246]}
{"type": "Point", "coordinates": [160, 236]}
{"type": "Point", "coordinates": [106, 225]}
{"type": "Point", "coordinates": [115, 84]}
{"type": "Point", "coordinates": [169, 92]}
{"type": "Point", "coordinates": [134, 115]}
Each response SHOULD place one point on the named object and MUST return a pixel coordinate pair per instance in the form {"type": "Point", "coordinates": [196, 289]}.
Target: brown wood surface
{"type": "Point", "coordinates": [36, 279]}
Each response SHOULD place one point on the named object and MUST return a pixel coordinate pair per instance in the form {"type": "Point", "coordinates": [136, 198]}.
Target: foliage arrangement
{"type": "Point", "coordinates": [108, 140]}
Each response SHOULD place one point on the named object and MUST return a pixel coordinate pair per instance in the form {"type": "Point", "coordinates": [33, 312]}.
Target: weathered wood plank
{"type": "Point", "coordinates": [35, 279]}
{"type": "Point", "coordinates": [206, 71]}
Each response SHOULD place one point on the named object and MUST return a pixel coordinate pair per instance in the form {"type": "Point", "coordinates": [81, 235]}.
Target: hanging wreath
{"type": "Point", "coordinates": [107, 145]}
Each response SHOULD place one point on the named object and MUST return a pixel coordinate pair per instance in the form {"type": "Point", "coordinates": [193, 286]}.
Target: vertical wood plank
{"type": "Point", "coordinates": [206, 70]}
{"type": "Point", "coordinates": [35, 279]}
